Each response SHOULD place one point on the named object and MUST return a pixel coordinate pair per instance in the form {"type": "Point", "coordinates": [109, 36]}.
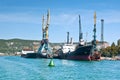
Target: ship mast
{"type": "Point", "coordinates": [81, 41]}
{"type": "Point", "coordinates": [80, 30]}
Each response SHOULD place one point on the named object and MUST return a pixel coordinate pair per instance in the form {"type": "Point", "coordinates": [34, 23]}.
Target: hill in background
{"type": "Point", "coordinates": [11, 46]}
{"type": "Point", "coordinates": [15, 45]}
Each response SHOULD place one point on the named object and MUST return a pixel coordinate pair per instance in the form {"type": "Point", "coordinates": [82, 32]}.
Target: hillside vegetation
{"type": "Point", "coordinates": [15, 45]}
{"type": "Point", "coordinates": [11, 46]}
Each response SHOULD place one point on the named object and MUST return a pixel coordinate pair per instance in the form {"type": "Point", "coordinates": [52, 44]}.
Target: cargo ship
{"type": "Point", "coordinates": [82, 51]}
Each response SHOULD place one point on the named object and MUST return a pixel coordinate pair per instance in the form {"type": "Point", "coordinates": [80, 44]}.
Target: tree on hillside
{"type": "Point", "coordinates": [113, 51]}
{"type": "Point", "coordinates": [113, 44]}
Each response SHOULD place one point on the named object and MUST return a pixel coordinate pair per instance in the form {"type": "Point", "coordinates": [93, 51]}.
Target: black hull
{"type": "Point", "coordinates": [37, 55]}
{"type": "Point", "coordinates": [81, 53]}
{"type": "Point", "coordinates": [33, 55]}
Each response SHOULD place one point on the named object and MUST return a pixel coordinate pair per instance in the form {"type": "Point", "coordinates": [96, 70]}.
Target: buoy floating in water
{"type": "Point", "coordinates": [51, 64]}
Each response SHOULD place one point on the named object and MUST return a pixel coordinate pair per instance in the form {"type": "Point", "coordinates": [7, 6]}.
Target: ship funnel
{"type": "Point", "coordinates": [67, 37]}
{"type": "Point", "coordinates": [71, 40]}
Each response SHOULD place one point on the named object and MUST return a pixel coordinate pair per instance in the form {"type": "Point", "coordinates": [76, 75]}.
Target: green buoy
{"type": "Point", "coordinates": [51, 64]}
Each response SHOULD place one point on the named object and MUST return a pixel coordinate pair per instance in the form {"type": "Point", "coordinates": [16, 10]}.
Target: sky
{"type": "Point", "coordinates": [23, 19]}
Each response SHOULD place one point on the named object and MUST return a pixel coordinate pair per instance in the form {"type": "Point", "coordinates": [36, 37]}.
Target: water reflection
{"type": "Point", "coordinates": [68, 63]}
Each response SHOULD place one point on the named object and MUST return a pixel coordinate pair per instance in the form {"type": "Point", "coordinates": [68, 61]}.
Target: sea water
{"type": "Point", "coordinates": [18, 68]}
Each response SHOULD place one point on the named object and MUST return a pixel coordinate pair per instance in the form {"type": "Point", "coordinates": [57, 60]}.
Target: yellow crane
{"type": "Point", "coordinates": [44, 47]}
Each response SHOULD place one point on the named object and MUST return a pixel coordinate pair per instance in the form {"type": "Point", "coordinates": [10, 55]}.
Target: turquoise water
{"type": "Point", "coordinates": [17, 68]}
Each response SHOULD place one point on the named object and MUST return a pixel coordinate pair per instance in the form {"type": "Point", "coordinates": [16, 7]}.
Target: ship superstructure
{"type": "Point", "coordinates": [69, 46]}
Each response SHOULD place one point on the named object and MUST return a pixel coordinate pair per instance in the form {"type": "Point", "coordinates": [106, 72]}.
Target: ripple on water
{"type": "Point", "coordinates": [17, 68]}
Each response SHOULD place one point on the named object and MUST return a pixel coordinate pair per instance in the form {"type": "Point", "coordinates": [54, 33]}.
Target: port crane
{"type": "Point", "coordinates": [94, 30]}
{"type": "Point", "coordinates": [45, 48]}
